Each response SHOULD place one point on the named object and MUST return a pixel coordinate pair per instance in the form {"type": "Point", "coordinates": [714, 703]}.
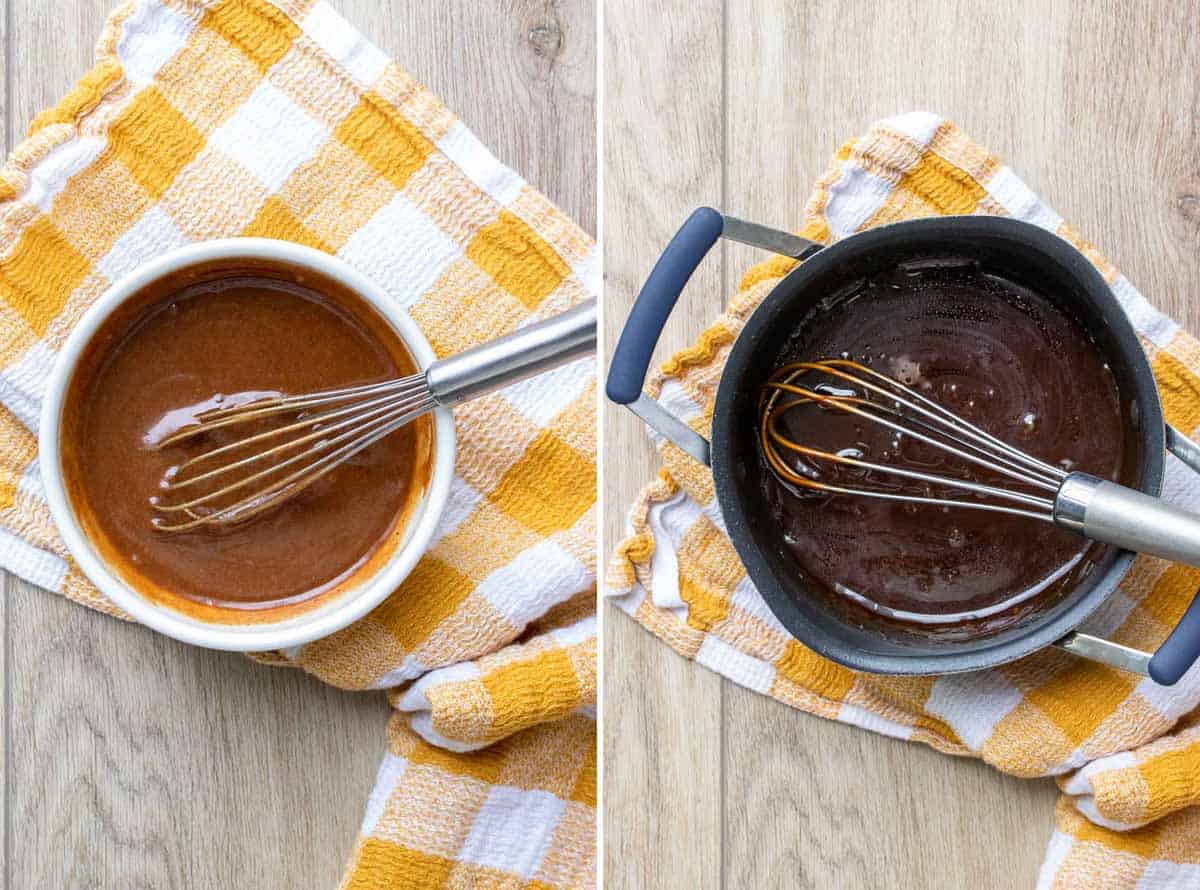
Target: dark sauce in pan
{"type": "Point", "coordinates": [1003, 357]}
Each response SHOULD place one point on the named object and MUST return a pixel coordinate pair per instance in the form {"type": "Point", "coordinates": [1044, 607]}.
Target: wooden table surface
{"type": "Point", "coordinates": [134, 761]}
{"type": "Point", "coordinates": [740, 104]}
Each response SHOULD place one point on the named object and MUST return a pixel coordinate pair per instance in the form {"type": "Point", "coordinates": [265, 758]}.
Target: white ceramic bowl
{"type": "Point", "coordinates": [339, 609]}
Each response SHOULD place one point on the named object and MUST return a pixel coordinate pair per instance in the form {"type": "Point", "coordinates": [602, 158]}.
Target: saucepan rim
{"type": "Point", "coordinates": [1040, 631]}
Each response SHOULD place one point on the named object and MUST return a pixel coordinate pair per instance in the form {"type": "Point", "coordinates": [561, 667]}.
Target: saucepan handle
{"type": "Point", "coordinates": [652, 308]}
{"type": "Point", "coordinates": [656, 300]}
{"type": "Point", "coordinates": [1131, 519]}
{"type": "Point", "coordinates": [635, 349]}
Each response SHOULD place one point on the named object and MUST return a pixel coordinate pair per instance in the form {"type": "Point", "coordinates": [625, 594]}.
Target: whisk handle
{"type": "Point", "coordinates": [527, 351]}
{"type": "Point", "coordinates": [1114, 514]}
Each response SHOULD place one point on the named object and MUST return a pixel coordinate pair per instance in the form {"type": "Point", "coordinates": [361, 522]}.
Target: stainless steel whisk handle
{"type": "Point", "coordinates": [506, 360]}
{"type": "Point", "coordinates": [1114, 514]}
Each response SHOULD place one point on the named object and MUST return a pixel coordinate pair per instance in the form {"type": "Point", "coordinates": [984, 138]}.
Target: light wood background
{"type": "Point", "coordinates": [134, 761]}
{"type": "Point", "coordinates": [740, 104]}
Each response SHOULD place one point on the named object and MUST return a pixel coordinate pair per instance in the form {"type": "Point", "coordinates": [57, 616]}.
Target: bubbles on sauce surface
{"type": "Point", "coordinates": [906, 370]}
{"type": "Point", "coordinates": [1003, 358]}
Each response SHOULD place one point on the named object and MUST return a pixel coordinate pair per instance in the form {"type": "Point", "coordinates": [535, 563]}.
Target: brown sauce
{"type": "Point", "coordinates": [209, 335]}
{"type": "Point", "coordinates": [1004, 358]}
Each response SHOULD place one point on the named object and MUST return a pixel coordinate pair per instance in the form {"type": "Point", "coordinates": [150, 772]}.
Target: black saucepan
{"type": "Point", "coordinates": [1021, 252]}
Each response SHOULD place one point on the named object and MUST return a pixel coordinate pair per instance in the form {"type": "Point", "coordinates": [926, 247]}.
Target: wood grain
{"type": "Point", "coordinates": [662, 717]}
{"type": "Point", "coordinates": [138, 762]}
{"type": "Point", "coordinates": [5, 581]}
{"type": "Point", "coordinates": [1095, 105]}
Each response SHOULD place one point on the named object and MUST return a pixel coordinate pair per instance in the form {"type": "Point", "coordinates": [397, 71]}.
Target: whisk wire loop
{"type": "Point", "coordinates": [310, 447]}
{"type": "Point", "coordinates": [218, 418]}
{"type": "Point", "coordinates": [309, 435]}
{"type": "Point", "coordinates": [930, 407]}
{"type": "Point", "coordinates": [908, 414]}
{"type": "Point", "coordinates": [351, 417]}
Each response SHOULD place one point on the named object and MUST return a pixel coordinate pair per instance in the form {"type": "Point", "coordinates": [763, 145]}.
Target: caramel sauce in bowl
{"type": "Point", "coordinates": [217, 321]}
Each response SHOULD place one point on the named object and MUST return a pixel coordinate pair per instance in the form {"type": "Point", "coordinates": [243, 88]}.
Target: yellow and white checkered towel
{"type": "Point", "coordinates": [1125, 751]}
{"type": "Point", "coordinates": [276, 118]}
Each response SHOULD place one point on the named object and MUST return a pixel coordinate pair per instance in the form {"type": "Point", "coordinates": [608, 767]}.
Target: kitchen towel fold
{"type": "Point", "coordinates": [1125, 752]}
{"type": "Point", "coordinates": [276, 118]}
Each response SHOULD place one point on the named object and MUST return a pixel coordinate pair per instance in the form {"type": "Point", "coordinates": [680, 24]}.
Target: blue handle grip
{"type": "Point", "coordinates": [631, 359]}
{"type": "Point", "coordinates": [1180, 650]}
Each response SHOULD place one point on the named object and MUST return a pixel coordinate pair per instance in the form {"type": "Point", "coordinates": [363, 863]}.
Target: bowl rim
{"type": "Point", "coordinates": [294, 630]}
{"type": "Point", "coordinates": [727, 478]}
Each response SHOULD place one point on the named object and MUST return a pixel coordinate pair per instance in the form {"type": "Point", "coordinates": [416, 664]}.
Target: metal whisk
{"type": "Point", "coordinates": [1024, 486]}
{"type": "Point", "coordinates": [310, 435]}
